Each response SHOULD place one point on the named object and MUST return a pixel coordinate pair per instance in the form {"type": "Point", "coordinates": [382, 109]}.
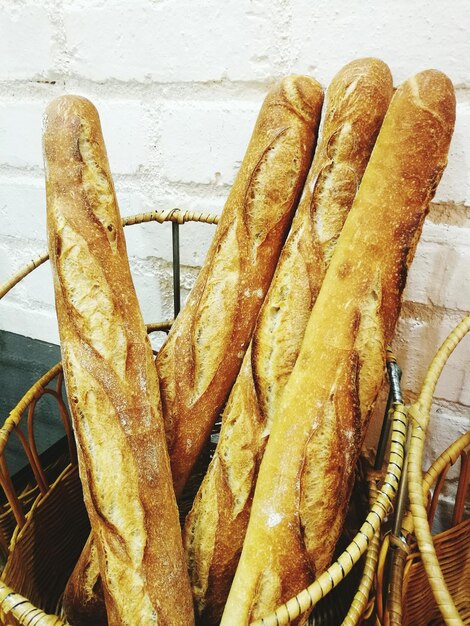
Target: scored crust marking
{"type": "Point", "coordinates": [371, 348]}
{"type": "Point", "coordinates": [97, 188]}
{"type": "Point", "coordinates": [414, 86]}
{"type": "Point", "coordinates": [273, 360]}
{"type": "Point", "coordinates": [239, 463]}
{"type": "Point", "coordinates": [343, 419]}
{"type": "Point", "coordinates": [321, 474]}
{"type": "Point", "coordinates": [292, 95]}
{"type": "Point", "coordinates": [255, 218]}
{"type": "Point", "coordinates": [94, 305]}
{"type": "Point", "coordinates": [216, 312]}
{"type": "Point", "coordinates": [335, 189]}
{"type": "Point", "coordinates": [268, 593]}
{"type": "Point", "coordinates": [101, 474]}
{"type": "Point", "coordinates": [199, 552]}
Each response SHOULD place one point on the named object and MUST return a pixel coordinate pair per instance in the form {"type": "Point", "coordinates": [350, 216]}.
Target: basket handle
{"type": "Point", "coordinates": [21, 609]}
{"type": "Point", "coordinates": [419, 414]}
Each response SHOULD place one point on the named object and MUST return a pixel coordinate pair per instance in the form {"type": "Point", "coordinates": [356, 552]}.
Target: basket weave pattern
{"type": "Point", "coordinates": [430, 577]}
{"type": "Point", "coordinates": [28, 594]}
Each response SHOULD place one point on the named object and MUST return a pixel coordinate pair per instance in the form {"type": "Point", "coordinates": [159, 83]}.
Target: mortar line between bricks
{"type": "Point", "coordinates": [450, 409]}
{"type": "Point", "coordinates": [53, 85]}
{"type": "Point", "coordinates": [35, 172]}
{"type": "Point", "coordinates": [429, 312]}
{"type": "Point", "coordinates": [132, 182]}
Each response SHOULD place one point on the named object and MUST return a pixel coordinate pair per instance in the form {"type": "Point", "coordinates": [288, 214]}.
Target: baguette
{"type": "Point", "coordinates": [306, 473]}
{"type": "Point", "coordinates": [111, 380]}
{"type": "Point", "coordinates": [296, 127]}
{"type": "Point", "coordinates": [203, 353]}
{"type": "Point", "coordinates": [355, 105]}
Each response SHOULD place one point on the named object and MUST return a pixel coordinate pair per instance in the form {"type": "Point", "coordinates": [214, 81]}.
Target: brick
{"type": "Point", "coordinates": [127, 134]}
{"type": "Point", "coordinates": [444, 428]}
{"type": "Point", "coordinates": [155, 240]}
{"type": "Point", "coordinates": [28, 308]}
{"type": "Point", "coordinates": [205, 142]}
{"type": "Point", "coordinates": [14, 254]}
{"type": "Point", "coordinates": [410, 37]}
{"type": "Point", "coordinates": [448, 279]}
{"type": "Point", "coordinates": [39, 287]}
{"type": "Point", "coordinates": [26, 41]}
{"type": "Point", "coordinates": [439, 272]}
{"type": "Point", "coordinates": [450, 382]}
{"type": "Point", "coordinates": [426, 273]}
{"type": "Point", "coordinates": [188, 276]}
{"type": "Point", "coordinates": [455, 183]}
{"type": "Point", "coordinates": [455, 292]}
{"type": "Point", "coordinates": [155, 42]}
{"type": "Point", "coordinates": [147, 286]}
{"type": "Point", "coordinates": [464, 397]}
{"type": "Point", "coordinates": [23, 211]}
{"type": "Point", "coordinates": [16, 318]}
{"type": "Point", "coordinates": [416, 343]}
{"type": "Point", "coordinates": [125, 123]}
{"type": "Point", "coordinates": [21, 133]}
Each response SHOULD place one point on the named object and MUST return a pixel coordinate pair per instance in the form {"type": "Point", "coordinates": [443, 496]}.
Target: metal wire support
{"type": "Point", "coordinates": [175, 239]}
{"type": "Point", "coordinates": [394, 395]}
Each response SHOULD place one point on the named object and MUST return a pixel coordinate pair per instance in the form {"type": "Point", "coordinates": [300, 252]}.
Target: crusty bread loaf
{"type": "Point", "coordinates": [356, 102]}
{"type": "Point", "coordinates": [304, 478]}
{"type": "Point", "coordinates": [111, 380]}
{"type": "Point", "coordinates": [203, 353]}
{"type": "Point", "coordinates": [287, 126]}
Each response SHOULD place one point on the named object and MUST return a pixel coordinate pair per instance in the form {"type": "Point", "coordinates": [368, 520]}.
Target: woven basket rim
{"type": "Point", "coordinates": [343, 565]}
{"type": "Point", "coordinates": [420, 416]}
{"type": "Point", "coordinates": [370, 528]}
{"type": "Point", "coordinates": [160, 216]}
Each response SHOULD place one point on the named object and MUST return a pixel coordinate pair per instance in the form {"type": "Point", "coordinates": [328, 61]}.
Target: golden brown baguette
{"type": "Point", "coordinates": [200, 360]}
{"type": "Point", "coordinates": [111, 380]}
{"type": "Point", "coordinates": [305, 476]}
{"type": "Point", "coordinates": [238, 270]}
{"type": "Point", "coordinates": [355, 105]}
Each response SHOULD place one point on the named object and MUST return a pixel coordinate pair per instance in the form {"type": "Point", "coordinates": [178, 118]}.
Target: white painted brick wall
{"type": "Point", "coordinates": [409, 36]}
{"type": "Point", "coordinates": [455, 183]}
{"type": "Point", "coordinates": [26, 43]}
{"type": "Point", "coordinates": [178, 86]}
{"type": "Point", "coordinates": [219, 133]}
{"type": "Point", "coordinates": [181, 41]}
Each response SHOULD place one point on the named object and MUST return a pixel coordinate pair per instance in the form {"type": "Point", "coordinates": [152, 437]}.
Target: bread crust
{"type": "Point", "coordinates": [355, 105]}
{"type": "Point", "coordinates": [305, 477]}
{"type": "Point", "coordinates": [289, 119]}
{"type": "Point", "coordinates": [204, 350]}
{"type": "Point", "coordinates": [111, 379]}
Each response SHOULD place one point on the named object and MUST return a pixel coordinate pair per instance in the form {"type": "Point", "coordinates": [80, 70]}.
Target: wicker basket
{"type": "Point", "coordinates": [43, 529]}
{"type": "Point", "coordinates": [428, 578]}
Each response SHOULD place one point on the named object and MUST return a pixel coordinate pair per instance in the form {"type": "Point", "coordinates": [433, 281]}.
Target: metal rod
{"type": "Point", "coordinates": [402, 494]}
{"type": "Point", "coordinates": [175, 236]}
{"type": "Point", "coordinates": [394, 395]}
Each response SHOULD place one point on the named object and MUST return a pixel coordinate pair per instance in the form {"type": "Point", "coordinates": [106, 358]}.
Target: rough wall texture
{"type": "Point", "coordinates": [178, 85]}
